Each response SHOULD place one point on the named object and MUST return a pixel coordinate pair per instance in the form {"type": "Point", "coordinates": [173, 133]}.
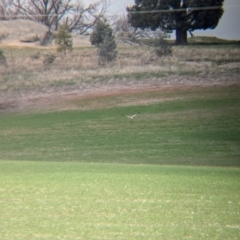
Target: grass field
{"type": "Point", "coordinates": [185, 127]}
{"type": "Point", "coordinates": [172, 172]}
{"type": "Point", "coordinates": [80, 187]}
{"type": "Point", "coordinates": [57, 197]}
{"type": "Point", "coordinates": [49, 200]}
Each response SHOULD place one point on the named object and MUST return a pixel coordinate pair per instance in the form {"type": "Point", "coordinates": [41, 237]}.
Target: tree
{"type": "Point", "coordinates": [178, 15]}
{"type": "Point", "coordinates": [102, 37]}
{"type": "Point", "coordinates": [99, 32]}
{"type": "Point", "coordinates": [46, 12]}
{"type": "Point", "coordinates": [63, 39]}
{"type": "Point", "coordinates": [51, 13]}
{"type": "Point", "coordinates": [82, 19]}
{"type": "Point", "coordinates": [9, 9]}
{"type": "Point", "coordinates": [123, 28]}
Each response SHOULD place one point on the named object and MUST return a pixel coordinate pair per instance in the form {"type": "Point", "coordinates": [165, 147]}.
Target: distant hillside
{"type": "Point", "coordinates": [210, 40]}
{"type": "Point", "coordinates": [22, 32]}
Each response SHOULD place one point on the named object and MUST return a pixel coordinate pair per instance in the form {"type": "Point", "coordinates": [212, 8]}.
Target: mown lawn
{"type": "Point", "coordinates": [188, 127]}
{"type": "Point", "coordinates": [69, 200]}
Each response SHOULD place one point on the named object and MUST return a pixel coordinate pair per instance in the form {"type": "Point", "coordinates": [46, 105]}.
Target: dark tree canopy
{"type": "Point", "coordinates": [179, 15]}
{"type": "Point", "coordinates": [101, 30]}
{"type": "Point", "coordinates": [103, 38]}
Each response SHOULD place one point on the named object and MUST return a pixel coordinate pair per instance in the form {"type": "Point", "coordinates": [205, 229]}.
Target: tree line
{"type": "Point", "coordinates": [52, 13]}
{"type": "Point", "coordinates": [143, 18]}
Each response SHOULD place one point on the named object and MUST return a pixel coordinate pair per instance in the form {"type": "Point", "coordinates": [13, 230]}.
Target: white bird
{"type": "Point", "coordinates": [181, 4]}
{"type": "Point", "coordinates": [131, 117]}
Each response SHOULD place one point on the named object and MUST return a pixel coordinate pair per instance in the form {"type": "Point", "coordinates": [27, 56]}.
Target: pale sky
{"type": "Point", "coordinates": [228, 26]}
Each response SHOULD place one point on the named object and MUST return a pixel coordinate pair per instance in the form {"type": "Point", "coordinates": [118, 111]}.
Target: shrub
{"type": "Point", "coordinates": [63, 39]}
{"type": "Point", "coordinates": [48, 59]}
{"type": "Point", "coordinates": [99, 32]}
{"type": "Point", "coordinates": [36, 55]}
{"type": "Point", "coordinates": [107, 50]}
{"type": "Point", "coordinates": [163, 48]}
{"type": "Point", "coordinates": [102, 37]}
{"type": "Point", "coordinates": [3, 60]}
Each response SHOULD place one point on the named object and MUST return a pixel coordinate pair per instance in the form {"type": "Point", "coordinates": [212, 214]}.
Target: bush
{"type": "Point", "coordinates": [163, 48]}
{"type": "Point", "coordinates": [3, 60]}
{"type": "Point", "coordinates": [48, 59]}
{"type": "Point", "coordinates": [99, 32]}
{"type": "Point", "coordinates": [36, 55]}
{"type": "Point", "coordinates": [102, 37]}
{"type": "Point", "coordinates": [107, 50]}
{"type": "Point", "coordinates": [63, 39]}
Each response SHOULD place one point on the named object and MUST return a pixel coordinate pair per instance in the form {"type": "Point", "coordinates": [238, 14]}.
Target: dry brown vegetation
{"type": "Point", "coordinates": [25, 76]}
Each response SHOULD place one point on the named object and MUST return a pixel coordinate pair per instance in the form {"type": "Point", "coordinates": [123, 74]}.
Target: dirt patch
{"type": "Point", "coordinates": [8, 105]}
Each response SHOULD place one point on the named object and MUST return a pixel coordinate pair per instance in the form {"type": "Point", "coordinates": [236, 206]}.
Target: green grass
{"type": "Point", "coordinates": [50, 200]}
{"type": "Point", "coordinates": [189, 127]}
{"type": "Point", "coordinates": [95, 174]}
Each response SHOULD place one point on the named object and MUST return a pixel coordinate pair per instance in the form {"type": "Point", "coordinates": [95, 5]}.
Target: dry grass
{"type": "Point", "coordinates": [213, 54]}
{"type": "Point", "coordinates": [26, 72]}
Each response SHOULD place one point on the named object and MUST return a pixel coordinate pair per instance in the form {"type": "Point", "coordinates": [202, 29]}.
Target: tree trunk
{"type": "Point", "coordinates": [181, 37]}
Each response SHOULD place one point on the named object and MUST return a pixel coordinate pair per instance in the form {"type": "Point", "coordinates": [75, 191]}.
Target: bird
{"type": "Point", "coordinates": [181, 4]}
{"type": "Point", "coordinates": [132, 116]}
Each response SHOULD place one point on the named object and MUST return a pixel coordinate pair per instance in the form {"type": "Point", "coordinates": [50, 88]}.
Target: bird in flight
{"type": "Point", "coordinates": [133, 116]}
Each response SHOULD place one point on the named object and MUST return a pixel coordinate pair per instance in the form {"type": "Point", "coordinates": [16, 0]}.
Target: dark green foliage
{"type": "Point", "coordinates": [107, 50]}
{"type": "Point", "coordinates": [186, 18]}
{"type": "Point", "coordinates": [101, 30]}
{"type": "Point", "coordinates": [103, 38]}
{"type": "Point", "coordinates": [63, 39]}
